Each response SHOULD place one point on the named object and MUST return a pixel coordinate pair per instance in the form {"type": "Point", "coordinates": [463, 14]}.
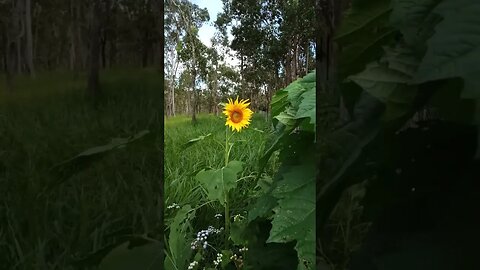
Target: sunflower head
{"type": "Point", "coordinates": [238, 114]}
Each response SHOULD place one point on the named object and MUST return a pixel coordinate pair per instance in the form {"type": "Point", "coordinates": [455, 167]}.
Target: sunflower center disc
{"type": "Point", "coordinates": [236, 117]}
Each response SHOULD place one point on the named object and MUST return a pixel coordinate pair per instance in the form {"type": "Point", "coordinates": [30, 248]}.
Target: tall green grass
{"type": "Point", "coordinates": [53, 221]}
{"type": "Point", "coordinates": [181, 165]}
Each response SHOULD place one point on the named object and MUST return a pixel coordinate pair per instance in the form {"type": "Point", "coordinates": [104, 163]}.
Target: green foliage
{"type": "Point", "coordinates": [219, 182]}
{"type": "Point", "coordinates": [178, 240]}
{"type": "Point", "coordinates": [90, 155]}
{"type": "Point", "coordinates": [389, 80]}
{"type": "Point", "coordinates": [73, 225]}
{"type": "Point", "coordinates": [436, 50]}
{"type": "Point", "coordinates": [291, 196]}
{"type": "Point", "coordinates": [415, 20]}
{"type": "Point", "coordinates": [295, 102]}
{"type": "Point", "coordinates": [361, 35]}
{"type": "Point", "coordinates": [196, 140]}
{"type": "Point", "coordinates": [454, 49]}
{"type": "Point", "coordinates": [294, 218]}
{"type": "Point", "coordinates": [202, 168]}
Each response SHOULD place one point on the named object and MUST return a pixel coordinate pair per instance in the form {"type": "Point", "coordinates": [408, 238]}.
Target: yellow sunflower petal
{"type": "Point", "coordinates": [238, 114]}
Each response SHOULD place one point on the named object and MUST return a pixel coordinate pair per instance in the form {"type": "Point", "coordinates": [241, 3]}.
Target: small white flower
{"type": "Point", "coordinates": [173, 205]}
{"type": "Point", "coordinates": [192, 265]}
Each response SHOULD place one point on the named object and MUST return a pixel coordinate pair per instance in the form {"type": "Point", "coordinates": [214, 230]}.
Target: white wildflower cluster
{"type": "Point", "coordinates": [218, 260]}
{"type": "Point", "coordinates": [192, 265]}
{"type": "Point", "coordinates": [173, 205]}
{"type": "Point", "coordinates": [238, 217]}
{"type": "Point", "coordinates": [201, 240]}
{"type": "Point", "coordinates": [243, 249]}
{"type": "Point", "coordinates": [218, 215]}
{"type": "Point", "coordinates": [236, 258]}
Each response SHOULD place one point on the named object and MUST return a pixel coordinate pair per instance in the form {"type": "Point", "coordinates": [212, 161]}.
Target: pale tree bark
{"type": "Point", "coordinates": [9, 58]}
{"type": "Point", "coordinates": [215, 90]}
{"type": "Point", "coordinates": [172, 87]}
{"type": "Point", "coordinates": [188, 24]}
{"type": "Point", "coordinates": [13, 32]}
{"type": "Point", "coordinates": [194, 91]}
{"type": "Point", "coordinates": [20, 26]}
{"type": "Point", "coordinates": [29, 40]}
{"type": "Point", "coordinates": [93, 88]}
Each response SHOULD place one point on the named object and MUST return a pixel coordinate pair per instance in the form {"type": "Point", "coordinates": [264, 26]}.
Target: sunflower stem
{"type": "Point", "coordinates": [227, 206]}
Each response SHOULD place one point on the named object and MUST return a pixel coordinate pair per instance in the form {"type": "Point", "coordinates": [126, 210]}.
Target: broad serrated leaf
{"type": "Point", "coordinates": [307, 107]}
{"type": "Point", "coordinates": [389, 80]}
{"type": "Point", "coordinates": [414, 18]}
{"type": "Point", "coordinates": [219, 182]}
{"type": "Point", "coordinates": [178, 246]}
{"type": "Point", "coordinates": [279, 102]}
{"type": "Point", "coordinates": [263, 207]}
{"type": "Point", "coordinates": [287, 117]}
{"type": "Point", "coordinates": [295, 90]}
{"type": "Point", "coordinates": [454, 49]}
{"type": "Point", "coordinates": [359, 18]}
{"type": "Point", "coordinates": [294, 218]}
{"type": "Point", "coordinates": [361, 35]}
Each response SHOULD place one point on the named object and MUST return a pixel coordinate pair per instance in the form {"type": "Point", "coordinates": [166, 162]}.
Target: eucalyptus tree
{"type": "Point", "coordinates": [274, 41]}
{"type": "Point", "coordinates": [190, 49]}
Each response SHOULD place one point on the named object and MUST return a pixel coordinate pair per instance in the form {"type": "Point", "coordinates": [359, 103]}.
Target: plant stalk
{"type": "Point", "coordinates": [227, 206]}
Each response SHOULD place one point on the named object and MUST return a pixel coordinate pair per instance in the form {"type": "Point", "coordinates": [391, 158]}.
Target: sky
{"type": "Point", "coordinates": [206, 32]}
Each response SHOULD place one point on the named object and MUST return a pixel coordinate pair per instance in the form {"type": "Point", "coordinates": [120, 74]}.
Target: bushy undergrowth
{"type": "Point", "coordinates": [56, 219]}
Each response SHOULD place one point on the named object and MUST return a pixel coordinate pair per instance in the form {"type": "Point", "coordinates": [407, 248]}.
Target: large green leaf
{"type": "Point", "coordinates": [389, 80]}
{"type": "Point", "coordinates": [414, 18]}
{"type": "Point", "coordinates": [307, 107]}
{"type": "Point", "coordinates": [266, 256]}
{"type": "Point", "coordinates": [292, 106]}
{"type": "Point", "coordinates": [219, 182]}
{"type": "Point", "coordinates": [178, 245]}
{"type": "Point", "coordinates": [361, 35]}
{"type": "Point", "coordinates": [279, 102]}
{"type": "Point", "coordinates": [454, 49]}
{"type": "Point", "coordinates": [294, 217]}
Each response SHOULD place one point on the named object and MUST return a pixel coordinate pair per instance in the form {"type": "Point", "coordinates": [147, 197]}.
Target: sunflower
{"type": "Point", "coordinates": [238, 115]}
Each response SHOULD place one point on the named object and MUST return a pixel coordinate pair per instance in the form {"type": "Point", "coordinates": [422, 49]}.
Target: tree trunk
{"type": "Point", "coordinates": [93, 78]}
{"type": "Point", "coordinates": [20, 27]}
{"type": "Point", "coordinates": [81, 55]}
{"type": "Point", "coordinates": [173, 100]}
{"type": "Point", "coordinates": [19, 54]}
{"type": "Point", "coordinates": [103, 51]}
{"type": "Point", "coordinates": [112, 52]}
{"type": "Point", "coordinates": [194, 92]}
{"type": "Point", "coordinates": [215, 89]}
{"type": "Point", "coordinates": [8, 60]}
{"type": "Point", "coordinates": [307, 56]}
{"type": "Point", "coordinates": [29, 40]}
{"type": "Point", "coordinates": [145, 49]}
{"type": "Point", "coordinates": [72, 36]}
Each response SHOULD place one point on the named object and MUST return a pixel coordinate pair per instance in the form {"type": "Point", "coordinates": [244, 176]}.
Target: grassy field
{"type": "Point", "coordinates": [56, 220]}
{"type": "Point", "coordinates": [182, 164]}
